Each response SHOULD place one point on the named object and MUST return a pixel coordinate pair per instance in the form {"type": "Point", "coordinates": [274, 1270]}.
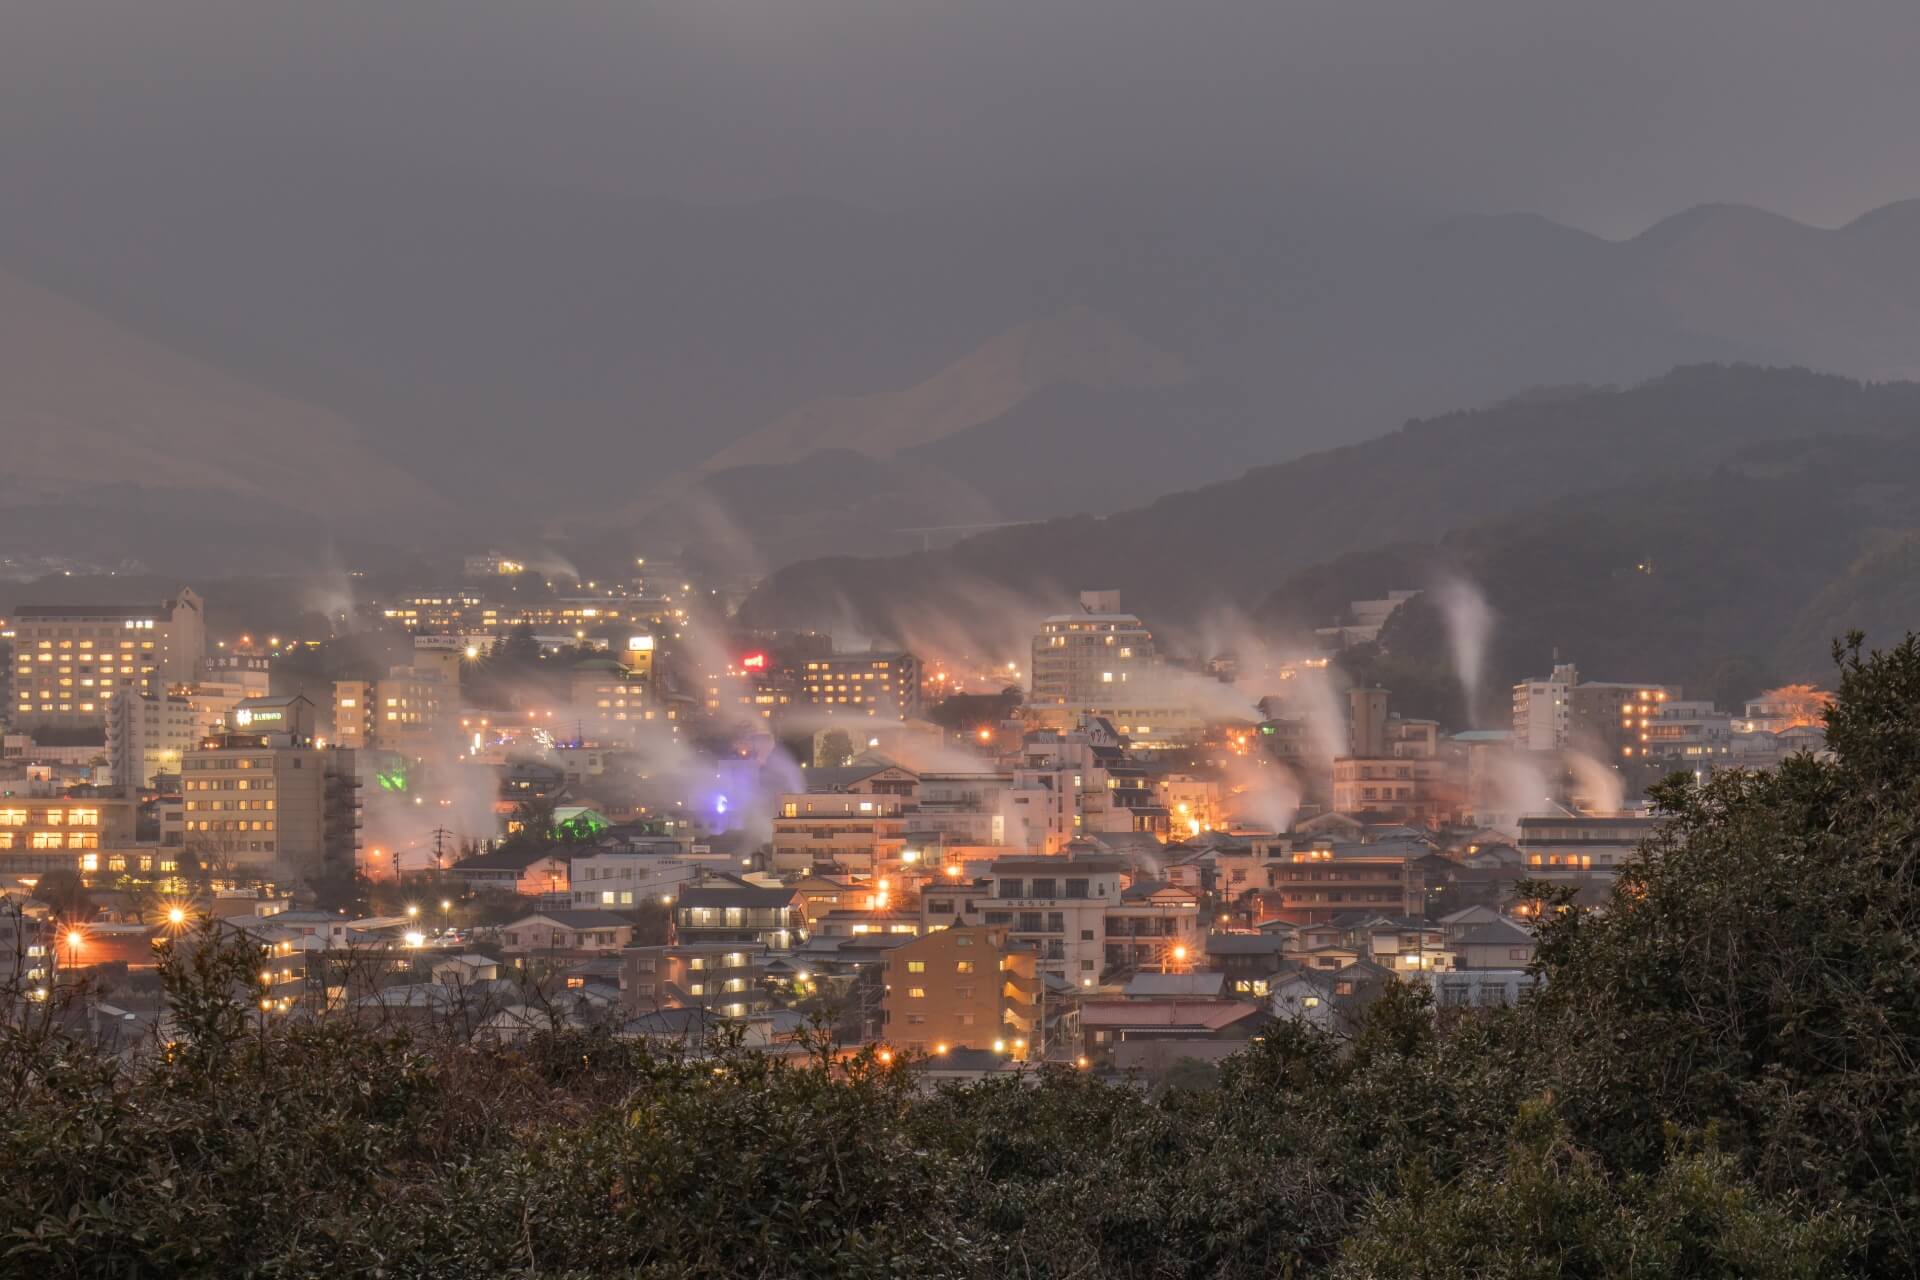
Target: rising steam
{"type": "Point", "coordinates": [1469, 627]}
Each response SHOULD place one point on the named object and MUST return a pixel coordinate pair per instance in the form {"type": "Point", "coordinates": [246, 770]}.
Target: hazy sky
{"type": "Point", "coordinates": [1604, 113]}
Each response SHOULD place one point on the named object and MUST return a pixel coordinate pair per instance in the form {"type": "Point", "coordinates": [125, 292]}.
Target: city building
{"type": "Point", "coordinates": [67, 833]}
{"type": "Point", "coordinates": [851, 818]}
{"type": "Point", "coordinates": [71, 661]}
{"type": "Point", "coordinates": [964, 987]}
{"type": "Point", "coordinates": [146, 736]}
{"type": "Point", "coordinates": [728, 909]}
{"type": "Point", "coordinates": [261, 797]}
{"type": "Point", "coordinates": [1578, 846]}
{"type": "Point", "coordinates": [1400, 789]}
{"type": "Point", "coordinates": [1101, 662]}
{"type": "Point", "coordinates": [876, 685]}
{"type": "Point", "coordinates": [402, 712]}
{"type": "Point", "coordinates": [1542, 710]}
{"type": "Point", "coordinates": [1689, 734]}
{"type": "Point", "coordinates": [1058, 906]}
{"type": "Point", "coordinates": [617, 881]}
{"type": "Point", "coordinates": [1313, 885]}
{"type": "Point", "coordinates": [728, 978]}
{"type": "Point", "coordinates": [608, 698]}
{"type": "Point", "coordinates": [1607, 719]}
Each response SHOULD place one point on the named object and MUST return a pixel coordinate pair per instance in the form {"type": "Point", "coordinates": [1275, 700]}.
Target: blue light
{"type": "Point", "coordinates": [719, 804]}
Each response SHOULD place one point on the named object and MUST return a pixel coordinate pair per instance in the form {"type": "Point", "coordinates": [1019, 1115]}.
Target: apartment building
{"type": "Point", "coordinates": [147, 735]}
{"type": "Point", "coordinates": [1077, 913]}
{"type": "Point", "coordinates": [963, 987]}
{"type": "Point", "coordinates": [262, 798]}
{"type": "Point", "coordinates": [728, 909]}
{"type": "Point", "coordinates": [1577, 846]}
{"type": "Point", "coordinates": [404, 711]}
{"type": "Point", "coordinates": [71, 661]}
{"type": "Point", "coordinates": [883, 686]}
{"type": "Point", "coordinates": [67, 833]}
{"type": "Point", "coordinates": [1313, 885]}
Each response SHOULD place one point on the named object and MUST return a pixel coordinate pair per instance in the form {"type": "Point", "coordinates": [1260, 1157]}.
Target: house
{"type": "Point", "coordinates": [528, 871]}
{"type": "Point", "coordinates": [1176, 986]}
{"type": "Point", "coordinates": [567, 934]}
{"type": "Point", "coordinates": [1154, 924]}
{"type": "Point", "coordinates": [464, 970]}
{"type": "Point", "coordinates": [1299, 994]}
{"type": "Point", "coordinates": [729, 909]}
{"type": "Point", "coordinates": [1107, 1023]}
{"type": "Point", "coordinates": [1481, 988]}
{"type": "Point", "coordinates": [1240, 957]}
{"type": "Point", "coordinates": [1498, 945]}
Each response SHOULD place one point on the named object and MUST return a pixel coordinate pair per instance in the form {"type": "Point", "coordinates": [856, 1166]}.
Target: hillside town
{"type": "Point", "coordinates": [607, 805]}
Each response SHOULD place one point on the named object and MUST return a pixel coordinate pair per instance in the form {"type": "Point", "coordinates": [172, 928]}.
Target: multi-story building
{"type": "Point", "coordinates": [262, 798]}
{"type": "Point", "coordinates": [1056, 905]}
{"type": "Point", "coordinates": [755, 686]}
{"type": "Point", "coordinates": [1404, 789]}
{"type": "Point", "coordinates": [251, 673]}
{"type": "Point", "coordinates": [1098, 662]}
{"type": "Point", "coordinates": [65, 833]}
{"type": "Point", "coordinates": [610, 698]}
{"type": "Point", "coordinates": [1576, 846]}
{"type": "Point", "coordinates": [146, 736]}
{"type": "Point", "coordinates": [1313, 885]}
{"type": "Point", "coordinates": [1155, 925]}
{"type": "Point", "coordinates": [1689, 734]}
{"type": "Point", "coordinates": [403, 712]}
{"type": "Point", "coordinates": [1611, 720]}
{"type": "Point", "coordinates": [726, 978]}
{"type": "Point", "coordinates": [1543, 710]}
{"type": "Point", "coordinates": [1603, 718]}
{"type": "Point", "coordinates": [625, 881]}
{"type": "Point", "coordinates": [877, 685]}
{"type": "Point", "coordinates": [963, 987]}
{"type": "Point", "coordinates": [872, 818]}
{"type": "Point", "coordinates": [727, 909]}
{"type": "Point", "coordinates": [853, 817]}
{"type": "Point", "coordinates": [71, 661]}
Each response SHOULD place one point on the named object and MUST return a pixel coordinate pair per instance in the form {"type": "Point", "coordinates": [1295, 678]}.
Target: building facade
{"type": "Point", "coordinates": [883, 686]}
{"type": "Point", "coordinates": [71, 661]}
{"type": "Point", "coordinates": [964, 987]}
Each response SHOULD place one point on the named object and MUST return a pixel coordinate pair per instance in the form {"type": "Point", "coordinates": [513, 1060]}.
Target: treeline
{"type": "Point", "coordinates": [1718, 1080]}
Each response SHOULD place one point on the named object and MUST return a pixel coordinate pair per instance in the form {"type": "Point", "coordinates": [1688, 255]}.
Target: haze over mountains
{"type": "Point", "coordinates": [953, 347]}
{"type": "Point", "coordinates": [102, 429]}
{"type": "Point", "coordinates": [1710, 514]}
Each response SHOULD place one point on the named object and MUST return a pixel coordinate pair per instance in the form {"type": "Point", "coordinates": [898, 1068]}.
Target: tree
{"type": "Point", "coordinates": [65, 892]}
{"type": "Point", "coordinates": [835, 749]}
{"type": "Point", "coordinates": [1755, 971]}
{"type": "Point", "coordinates": [1801, 703]}
{"type": "Point", "coordinates": [518, 652]}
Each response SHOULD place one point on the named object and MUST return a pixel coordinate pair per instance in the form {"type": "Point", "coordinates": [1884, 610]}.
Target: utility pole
{"type": "Point", "coordinates": [440, 835]}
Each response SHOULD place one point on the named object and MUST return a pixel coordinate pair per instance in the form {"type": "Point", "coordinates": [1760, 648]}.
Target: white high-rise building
{"type": "Point", "coordinates": [1543, 710]}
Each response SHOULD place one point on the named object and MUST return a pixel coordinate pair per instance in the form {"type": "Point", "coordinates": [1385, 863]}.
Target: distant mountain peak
{"type": "Point", "coordinates": [1721, 219]}
{"type": "Point", "coordinates": [1077, 346]}
{"type": "Point", "coordinates": [90, 405]}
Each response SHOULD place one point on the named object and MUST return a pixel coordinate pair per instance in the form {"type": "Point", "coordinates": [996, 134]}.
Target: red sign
{"type": "Point", "coordinates": [754, 662]}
